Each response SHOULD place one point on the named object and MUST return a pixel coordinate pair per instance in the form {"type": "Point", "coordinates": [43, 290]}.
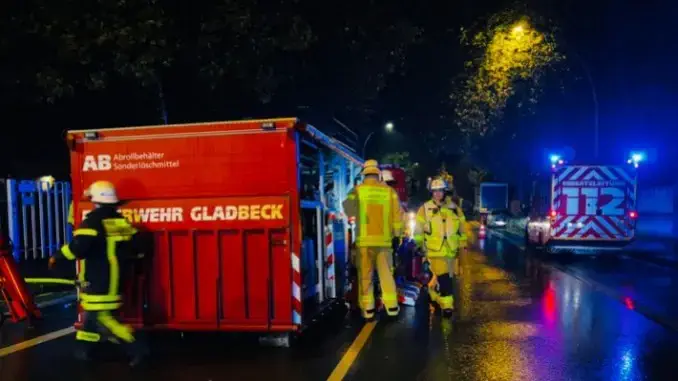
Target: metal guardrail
{"type": "Point", "coordinates": [34, 215]}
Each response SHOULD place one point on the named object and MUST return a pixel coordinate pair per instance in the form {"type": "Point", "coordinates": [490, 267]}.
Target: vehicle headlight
{"type": "Point", "coordinates": [411, 223]}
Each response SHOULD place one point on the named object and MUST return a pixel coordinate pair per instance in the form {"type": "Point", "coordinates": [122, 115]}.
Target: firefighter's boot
{"type": "Point", "coordinates": [368, 315]}
{"type": "Point", "coordinates": [446, 300]}
{"type": "Point", "coordinates": [86, 341]}
{"type": "Point", "coordinates": [433, 295]}
{"type": "Point", "coordinates": [391, 306]}
{"type": "Point", "coordinates": [83, 351]}
{"type": "Point", "coordinates": [137, 353]}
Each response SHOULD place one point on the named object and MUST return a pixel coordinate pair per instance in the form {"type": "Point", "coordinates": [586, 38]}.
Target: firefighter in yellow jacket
{"type": "Point", "coordinates": [455, 204]}
{"type": "Point", "coordinates": [440, 233]}
{"type": "Point", "coordinates": [102, 243]}
{"type": "Point", "coordinates": [376, 208]}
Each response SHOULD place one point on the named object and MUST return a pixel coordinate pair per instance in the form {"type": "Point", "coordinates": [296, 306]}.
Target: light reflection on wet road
{"type": "Point", "coordinates": [516, 319]}
{"type": "Point", "coordinates": [520, 320]}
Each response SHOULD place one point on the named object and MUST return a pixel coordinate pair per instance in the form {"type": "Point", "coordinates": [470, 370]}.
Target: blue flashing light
{"type": "Point", "coordinates": [555, 159]}
{"type": "Point", "coordinates": [636, 158]}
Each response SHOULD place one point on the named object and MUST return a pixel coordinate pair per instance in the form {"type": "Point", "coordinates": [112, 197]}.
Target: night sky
{"type": "Point", "coordinates": [349, 71]}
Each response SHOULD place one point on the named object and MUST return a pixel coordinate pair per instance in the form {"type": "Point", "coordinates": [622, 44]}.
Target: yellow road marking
{"type": "Point", "coordinates": [35, 341]}
{"type": "Point", "coordinates": [351, 354]}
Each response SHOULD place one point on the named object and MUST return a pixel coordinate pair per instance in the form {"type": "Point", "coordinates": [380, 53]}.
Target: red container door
{"type": "Point", "coordinates": [230, 271]}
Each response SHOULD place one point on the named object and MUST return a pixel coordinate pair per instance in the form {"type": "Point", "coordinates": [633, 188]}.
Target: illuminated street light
{"type": "Point", "coordinates": [518, 29]}
{"type": "Point", "coordinates": [388, 127]}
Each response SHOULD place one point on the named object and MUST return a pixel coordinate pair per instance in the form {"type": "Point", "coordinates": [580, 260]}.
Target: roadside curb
{"type": "Point", "coordinates": [636, 254]}
{"type": "Point", "coordinates": [616, 295]}
{"type": "Point", "coordinates": [663, 262]}
{"type": "Point", "coordinates": [598, 286]}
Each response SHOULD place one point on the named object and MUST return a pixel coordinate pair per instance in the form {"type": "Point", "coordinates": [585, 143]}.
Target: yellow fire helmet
{"type": "Point", "coordinates": [449, 179]}
{"type": "Point", "coordinates": [371, 167]}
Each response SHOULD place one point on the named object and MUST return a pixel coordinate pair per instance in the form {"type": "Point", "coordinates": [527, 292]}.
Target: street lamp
{"type": "Point", "coordinates": [518, 30]}
{"type": "Point", "coordinates": [388, 127]}
{"type": "Point", "coordinates": [594, 97]}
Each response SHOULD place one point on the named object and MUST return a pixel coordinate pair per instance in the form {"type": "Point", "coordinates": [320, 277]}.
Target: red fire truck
{"type": "Point", "coordinates": [400, 178]}
{"type": "Point", "coordinates": [243, 218]}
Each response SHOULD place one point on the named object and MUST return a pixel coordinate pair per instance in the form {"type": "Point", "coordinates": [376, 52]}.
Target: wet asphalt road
{"type": "Point", "coordinates": [516, 319]}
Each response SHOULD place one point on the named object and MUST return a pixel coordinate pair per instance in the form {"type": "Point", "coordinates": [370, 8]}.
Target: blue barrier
{"type": "Point", "coordinates": [37, 217]}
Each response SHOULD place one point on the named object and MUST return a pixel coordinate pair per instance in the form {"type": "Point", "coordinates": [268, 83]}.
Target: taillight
{"type": "Point", "coordinates": [553, 214]}
{"type": "Point", "coordinates": [633, 214]}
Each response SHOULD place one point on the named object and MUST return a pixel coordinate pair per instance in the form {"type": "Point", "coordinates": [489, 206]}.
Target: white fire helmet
{"type": "Point", "coordinates": [386, 176]}
{"type": "Point", "coordinates": [437, 184]}
{"type": "Point", "coordinates": [102, 192]}
{"type": "Point", "coordinates": [46, 183]}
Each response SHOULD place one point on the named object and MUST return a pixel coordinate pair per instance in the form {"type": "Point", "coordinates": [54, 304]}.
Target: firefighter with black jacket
{"type": "Point", "coordinates": [102, 243]}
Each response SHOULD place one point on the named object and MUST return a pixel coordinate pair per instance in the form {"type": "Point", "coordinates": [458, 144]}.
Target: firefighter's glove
{"type": "Point", "coordinates": [395, 243]}
{"type": "Point", "coordinates": [81, 284]}
{"type": "Point", "coordinates": [427, 228]}
{"type": "Point", "coordinates": [51, 264]}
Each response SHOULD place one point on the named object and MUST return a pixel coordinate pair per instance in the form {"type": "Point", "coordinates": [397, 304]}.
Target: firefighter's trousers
{"type": "Point", "coordinates": [101, 326]}
{"type": "Point", "coordinates": [368, 259]}
{"type": "Point", "coordinates": [440, 289]}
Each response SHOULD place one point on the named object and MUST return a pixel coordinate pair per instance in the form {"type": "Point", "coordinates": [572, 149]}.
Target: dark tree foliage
{"type": "Point", "coordinates": [252, 45]}
{"type": "Point", "coordinates": [66, 47]}
{"type": "Point", "coordinates": [284, 51]}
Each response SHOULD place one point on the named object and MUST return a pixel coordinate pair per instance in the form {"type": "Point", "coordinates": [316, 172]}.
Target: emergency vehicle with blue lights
{"type": "Point", "coordinates": [584, 209]}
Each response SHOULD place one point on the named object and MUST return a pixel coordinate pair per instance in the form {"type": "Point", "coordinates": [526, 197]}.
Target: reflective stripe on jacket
{"type": "Point", "coordinates": [438, 229]}
{"type": "Point", "coordinates": [462, 217]}
{"type": "Point", "coordinates": [101, 243]}
{"type": "Point", "coordinates": [71, 216]}
{"type": "Point", "coordinates": [378, 215]}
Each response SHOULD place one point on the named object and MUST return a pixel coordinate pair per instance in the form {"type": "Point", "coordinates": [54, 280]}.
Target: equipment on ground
{"type": "Point", "coordinates": [14, 289]}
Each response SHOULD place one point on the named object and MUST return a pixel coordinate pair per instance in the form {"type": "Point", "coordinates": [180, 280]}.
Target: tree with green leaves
{"type": "Point", "coordinates": [76, 49]}
{"type": "Point", "coordinates": [251, 45]}
{"type": "Point", "coordinates": [511, 53]}
{"type": "Point", "coordinates": [358, 54]}
{"type": "Point", "coordinates": [402, 160]}
{"type": "Point", "coordinates": [237, 45]}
